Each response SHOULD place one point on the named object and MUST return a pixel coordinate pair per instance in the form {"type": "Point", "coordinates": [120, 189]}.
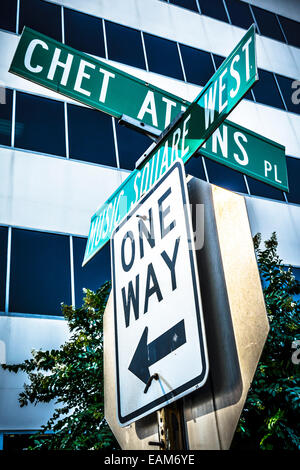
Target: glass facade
{"type": "Point", "coordinates": [40, 278]}
{"type": "Point", "coordinates": [60, 160]}
{"type": "Point", "coordinates": [39, 125]}
{"type": "Point", "coordinates": [293, 167]}
{"type": "Point", "coordinates": [84, 32]}
{"type": "Point", "coordinates": [188, 4]}
{"type": "Point", "coordinates": [93, 141]}
{"type": "Point", "coordinates": [8, 16]}
{"type": "Point", "coordinates": [124, 45]}
{"type": "Point", "coordinates": [40, 122]}
{"type": "Point", "coordinates": [290, 90]}
{"type": "Point", "coordinates": [213, 8]}
{"type": "Point", "coordinates": [268, 23]}
{"type": "Point", "coordinates": [163, 56]}
{"type": "Point", "coordinates": [42, 16]}
{"type": "Point", "coordinates": [3, 265]}
{"type": "Point", "coordinates": [198, 65]}
{"type": "Point", "coordinates": [6, 117]}
{"type": "Point", "coordinates": [221, 175]}
{"type": "Point", "coordinates": [45, 17]}
{"type": "Point", "coordinates": [291, 30]}
{"type": "Point", "coordinates": [195, 167]}
{"type": "Point", "coordinates": [266, 91]}
{"type": "Point", "coordinates": [41, 271]}
{"type": "Point", "coordinates": [258, 188]}
{"type": "Point", "coordinates": [93, 274]}
{"type": "Point", "coordinates": [131, 146]}
{"type": "Point", "coordinates": [239, 13]}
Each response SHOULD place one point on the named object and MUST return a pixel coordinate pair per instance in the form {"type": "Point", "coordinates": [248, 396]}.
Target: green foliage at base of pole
{"type": "Point", "coordinates": [271, 416]}
{"type": "Point", "coordinates": [72, 376]}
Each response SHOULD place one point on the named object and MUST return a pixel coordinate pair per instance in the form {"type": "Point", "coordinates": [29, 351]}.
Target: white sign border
{"type": "Point", "coordinates": [199, 380]}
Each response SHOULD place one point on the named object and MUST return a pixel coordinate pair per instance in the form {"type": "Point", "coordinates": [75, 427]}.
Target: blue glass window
{"type": "Point", "coordinates": [296, 272]}
{"type": "Point", "coordinates": [40, 124]}
{"type": "Point", "coordinates": [94, 273]}
{"type": "Point", "coordinates": [266, 91]}
{"type": "Point", "coordinates": [5, 117]}
{"type": "Point", "coordinates": [163, 56]}
{"type": "Point", "coordinates": [197, 64]}
{"type": "Point", "coordinates": [213, 8]}
{"type": "Point", "coordinates": [189, 4]}
{"type": "Point", "coordinates": [239, 13]}
{"type": "Point", "coordinates": [293, 168]}
{"type": "Point", "coordinates": [131, 146]}
{"type": "Point", "coordinates": [91, 136]}
{"type": "Point", "coordinates": [268, 23]}
{"type": "Point", "coordinates": [124, 45]}
{"type": "Point", "coordinates": [42, 16]}
{"type": "Point", "coordinates": [258, 188]}
{"type": "Point", "coordinates": [3, 262]}
{"type": "Point", "coordinates": [195, 168]}
{"type": "Point", "coordinates": [218, 60]}
{"type": "Point", "coordinates": [84, 32]}
{"type": "Point", "coordinates": [291, 95]}
{"type": "Point", "coordinates": [40, 272]}
{"type": "Point", "coordinates": [225, 177]}
{"type": "Point", "coordinates": [8, 12]}
{"type": "Point", "coordinates": [291, 30]}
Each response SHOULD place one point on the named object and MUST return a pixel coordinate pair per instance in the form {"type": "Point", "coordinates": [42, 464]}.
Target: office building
{"type": "Point", "coordinates": [60, 160]}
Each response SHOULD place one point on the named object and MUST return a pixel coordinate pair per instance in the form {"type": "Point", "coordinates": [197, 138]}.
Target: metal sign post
{"type": "Point", "coordinates": [170, 425]}
{"type": "Point", "coordinates": [236, 327]}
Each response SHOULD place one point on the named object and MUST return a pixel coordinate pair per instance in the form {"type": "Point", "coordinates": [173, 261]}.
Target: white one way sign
{"type": "Point", "coordinates": [159, 333]}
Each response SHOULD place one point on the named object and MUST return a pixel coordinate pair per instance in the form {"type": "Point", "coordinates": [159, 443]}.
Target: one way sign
{"type": "Point", "coordinates": [159, 333]}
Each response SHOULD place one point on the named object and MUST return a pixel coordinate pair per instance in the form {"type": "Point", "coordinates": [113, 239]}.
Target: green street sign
{"type": "Point", "coordinates": [249, 153]}
{"type": "Point", "coordinates": [182, 140]}
{"type": "Point", "coordinates": [79, 76]}
{"type": "Point", "coordinates": [91, 81]}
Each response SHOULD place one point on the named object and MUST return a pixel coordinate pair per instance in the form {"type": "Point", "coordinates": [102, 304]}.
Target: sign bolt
{"type": "Point", "coordinates": [155, 377]}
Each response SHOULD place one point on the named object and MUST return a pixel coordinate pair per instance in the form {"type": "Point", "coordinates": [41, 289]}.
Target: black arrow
{"type": "Point", "coordinates": [147, 354]}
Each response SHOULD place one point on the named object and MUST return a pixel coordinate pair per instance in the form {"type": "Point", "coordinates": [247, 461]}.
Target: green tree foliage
{"type": "Point", "coordinates": [72, 376]}
{"type": "Point", "coordinates": [271, 416]}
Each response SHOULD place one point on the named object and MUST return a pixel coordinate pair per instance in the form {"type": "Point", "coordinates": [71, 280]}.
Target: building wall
{"type": "Point", "coordinates": [18, 337]}
{"type": "Point", "coordinates": [289, 8]}
{"type": "Point", "coordinates": [55, 192]}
